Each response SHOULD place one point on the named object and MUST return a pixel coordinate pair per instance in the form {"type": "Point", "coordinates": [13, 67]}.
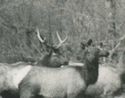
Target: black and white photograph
{"type": "Point", "coordinates": [62, 48]}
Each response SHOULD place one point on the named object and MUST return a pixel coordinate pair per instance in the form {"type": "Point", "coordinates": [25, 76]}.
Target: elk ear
{"type": "Point", "coordinates": [49, 52]}
{"type": "Point", "coordinates": [82, 45]}
{"type": "Point", "coordinates": [101, 44]}
{"type": "Point", "coordinates": [89, 42]}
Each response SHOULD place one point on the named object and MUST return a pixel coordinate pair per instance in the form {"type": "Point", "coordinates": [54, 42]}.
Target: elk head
{"type": "Point", "coordinates": [56, 57]}
{"type": "Point", "coordinates": [83, 46]}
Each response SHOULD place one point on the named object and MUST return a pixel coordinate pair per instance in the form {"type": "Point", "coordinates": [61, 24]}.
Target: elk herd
{"type": "Point", "coordinates": [57, 76]}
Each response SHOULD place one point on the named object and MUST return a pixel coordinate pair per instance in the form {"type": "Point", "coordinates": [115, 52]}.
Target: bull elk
{"type": "Point", "coordinates": [111, 75]}
{"type": "Point", "coordinates": [56, 56]}
{"type": "Point", "coordinates": [109, 80]}
{"type": "Point", "coordinates": [66, 82]}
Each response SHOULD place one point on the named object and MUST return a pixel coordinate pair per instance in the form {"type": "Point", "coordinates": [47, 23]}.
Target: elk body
{"type": "Point", "coordinates": [66, 82]}
{"type": "Point", "coordinates": [10, 77]}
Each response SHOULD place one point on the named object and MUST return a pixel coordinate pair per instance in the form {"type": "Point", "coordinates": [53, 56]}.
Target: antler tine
{"type": "Point", "coordinates": [119, 43]}
{"type": "Point", "coordinates": [39, 37]}
{"type": "Point", "coordinates": [122, 38]}
{"type": "Point", "coordinates": [60, 40]}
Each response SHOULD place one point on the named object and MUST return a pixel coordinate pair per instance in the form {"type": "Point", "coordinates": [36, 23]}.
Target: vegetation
{"type": "Point", "coordinates": [101, 20]}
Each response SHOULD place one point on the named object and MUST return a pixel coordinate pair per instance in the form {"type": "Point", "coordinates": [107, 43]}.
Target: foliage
{"type": "Point", "coordinates": [80, 19]}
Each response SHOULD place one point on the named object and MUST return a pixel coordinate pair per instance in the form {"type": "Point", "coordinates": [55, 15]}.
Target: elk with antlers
{"type": "Point", "coordinates": [56, 56]}
{"type": "Point", "coordinates": [111, 76]}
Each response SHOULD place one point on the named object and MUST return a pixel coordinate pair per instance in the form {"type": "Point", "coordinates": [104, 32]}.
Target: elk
{"type": "Point", "coordinates": [65, 82]}
{"type": "Point", "coordinates": [110, 76]}
{"type": "Point", "coordinates": [56, 56]}
{"type": "Point", "coordinates": [109, 80]}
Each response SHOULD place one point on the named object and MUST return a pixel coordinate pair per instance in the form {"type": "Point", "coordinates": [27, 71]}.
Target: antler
{"type": "Point", "coordinates": [120, 40]}
{"type": "Point", "coordinates": [39, 37]}
{"type": "Point", "coordinates": [119, 43]}
{"type": "Point", "coordinates": [60, 40]}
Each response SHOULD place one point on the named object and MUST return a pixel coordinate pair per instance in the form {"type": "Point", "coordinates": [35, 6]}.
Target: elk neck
{"type": "Point", "coordinates": [45, 60]}
{"type": "Point", "coordinates": [91, 64]}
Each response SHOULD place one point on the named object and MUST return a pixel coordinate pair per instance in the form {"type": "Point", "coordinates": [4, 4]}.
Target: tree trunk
{"type": "Point", "coordinates": [111, 6]}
